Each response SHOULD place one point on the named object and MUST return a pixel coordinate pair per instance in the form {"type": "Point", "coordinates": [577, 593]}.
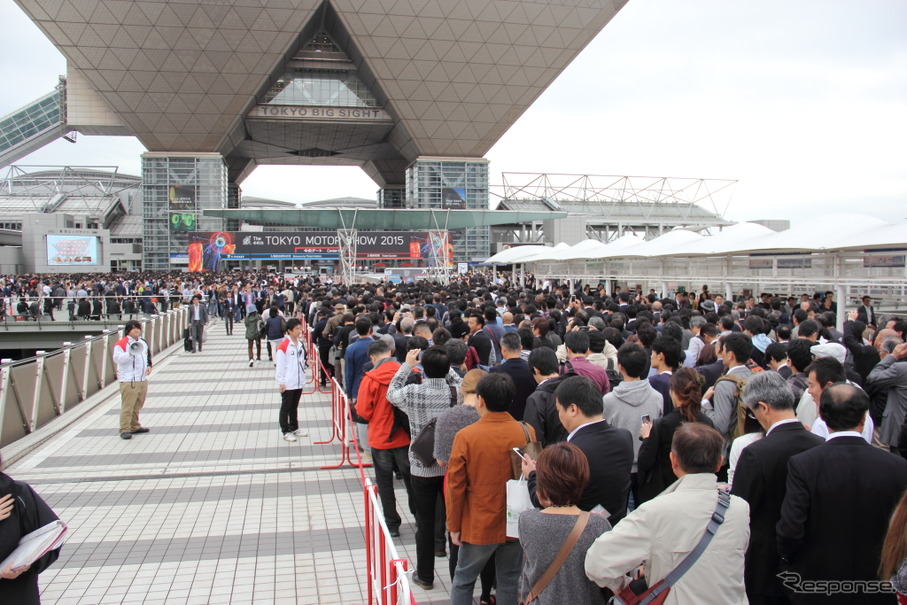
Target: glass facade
{"type": "Point", "coordinates": [392, 197]}
{"type": "Point", "coordinates": [39, 117]}
{"type": "Point", "coordinates": [183, 185]}
{"type": "Point", "coordinates": [321, 75]}
{"type": "Point", "coordinates": [456, 184]}
{"type": "Point", "coordinates": [320, 89]}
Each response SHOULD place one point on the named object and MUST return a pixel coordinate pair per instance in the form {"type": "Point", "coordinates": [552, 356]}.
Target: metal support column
{"type": "Point", "coordinates": [438, 264]}
{"type": "Point", "coordinates": [347, 249]}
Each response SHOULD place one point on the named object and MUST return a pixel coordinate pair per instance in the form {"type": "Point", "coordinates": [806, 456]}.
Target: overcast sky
{"type": "Point", "coordinates": [804, 102]}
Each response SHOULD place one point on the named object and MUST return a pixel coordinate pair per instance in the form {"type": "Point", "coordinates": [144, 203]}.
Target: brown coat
{"type": "Point", "coordinates": [477, 476]}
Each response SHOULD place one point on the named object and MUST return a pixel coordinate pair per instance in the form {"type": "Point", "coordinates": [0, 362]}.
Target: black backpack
{"type": "Point", "coordinates": [614, 377]}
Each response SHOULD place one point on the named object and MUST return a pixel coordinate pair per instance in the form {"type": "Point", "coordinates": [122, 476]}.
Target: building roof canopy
{"type": "Point", "coordinates": [400, 220]}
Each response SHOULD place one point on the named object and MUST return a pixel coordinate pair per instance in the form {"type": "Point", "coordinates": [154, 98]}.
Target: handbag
{"type": "Point", "coordinates": [559, 560]}
{"type": "Point", "coordinates": [530, 448]}
{"type": "Point", "coordinates": [423, 446]}
{"type": "Point", "coordinates": [518, 500]}
{"type": "Point", "coordinates": [658, 593]}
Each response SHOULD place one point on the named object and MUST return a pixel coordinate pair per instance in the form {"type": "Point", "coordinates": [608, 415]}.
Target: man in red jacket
{"type": "Point", "coordinates": [387, 438]}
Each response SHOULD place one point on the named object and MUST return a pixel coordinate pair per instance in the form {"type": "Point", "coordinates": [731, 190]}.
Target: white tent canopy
{"type": "Point", "coordinates": [506, 257]}
{"type": "Point", "coordinates": [542, 254]}
{"type": "Point", "coordinates": [672, 242]}
{"type": "Point", "coordinates": [821, 233]}
{"type": "Point", "coordinates": [619, 247]}
{"type": "Point", "coordinates": [728, 239]}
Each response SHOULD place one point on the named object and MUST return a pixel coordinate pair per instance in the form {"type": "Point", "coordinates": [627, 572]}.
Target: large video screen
{"type": "Point", "coordinates": [72, 250]}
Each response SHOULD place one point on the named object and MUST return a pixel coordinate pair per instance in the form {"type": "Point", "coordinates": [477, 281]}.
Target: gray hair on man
{"type": "Point", "coordinates": [769, 388]}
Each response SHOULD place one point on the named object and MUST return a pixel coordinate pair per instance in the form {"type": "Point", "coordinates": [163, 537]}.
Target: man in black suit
{"type": "Point", "coordinates": [866, 312]}
{"type": "Point", "coordinates": [608, 448]}
{"type": "Point", "coordinates": [761, 479]}
{"type": "Point", "coordinates": [838, 502]}
{"type": "Point", "coordinates": [478, 337]}
{"type": "Point", "coordinates": [776, 359]}
{"type": "Point", "coordinates": [516, 368]}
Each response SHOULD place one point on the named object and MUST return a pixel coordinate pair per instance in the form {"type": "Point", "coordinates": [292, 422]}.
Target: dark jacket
{"type": "Point", "coordinates": [865, 357]}
{"type": "Point", "coordinates": [840, 496]}
{"type": "Point", "coordinates": [711, 372]}
{"type": "Point", "coordinates": [481, 342]}
{"type": "Point", "coordinates": [654, 462]}
{"type": "Point", "coordinates": [525, 383]}
{"type": "Point", "coordinates": [761, 479]}
{"type": "Point", "coordinates": [276, 327]}
{"type": "Point", "coordinates": [29, 513]}
{"type": "Point", "coordinates": [609, 451]}
{"type": "Point", "coordinates": [541, 413]}
{"type": "Point", "coordinates": [659, 382]}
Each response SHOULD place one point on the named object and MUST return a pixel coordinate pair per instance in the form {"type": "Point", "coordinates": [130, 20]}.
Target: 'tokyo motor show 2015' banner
{"type": "Point", "coordinates": [206, 250]}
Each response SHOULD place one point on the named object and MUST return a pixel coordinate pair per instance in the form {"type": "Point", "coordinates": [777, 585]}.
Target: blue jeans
{"type": "Point", "coordinates": [508, 559]}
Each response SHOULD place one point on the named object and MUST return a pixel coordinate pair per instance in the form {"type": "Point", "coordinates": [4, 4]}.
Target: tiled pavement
{"type": "Point", "coordinates": [211, 506]}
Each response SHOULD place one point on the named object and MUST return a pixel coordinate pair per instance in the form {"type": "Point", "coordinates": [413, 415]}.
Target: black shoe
{"type": "Point", "coordinates": [398, 476]}
{"type": "Point", "coordinates": [141, 430]}
{"type": "Point", "coordinates": [422, 583]}
{"type": "Point", "coordinates": [395, 533]}
{"type": "Point", "coordinates": [441, 553]}
{"type": "Point", "coordinates": [126, 435]}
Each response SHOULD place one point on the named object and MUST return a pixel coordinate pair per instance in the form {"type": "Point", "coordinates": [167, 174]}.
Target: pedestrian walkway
{"type": "Point", "coordinates": [212, 506]}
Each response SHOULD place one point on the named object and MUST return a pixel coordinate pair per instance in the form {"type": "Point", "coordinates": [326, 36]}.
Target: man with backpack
{"type": "Point", "coordinates": [723, 402]}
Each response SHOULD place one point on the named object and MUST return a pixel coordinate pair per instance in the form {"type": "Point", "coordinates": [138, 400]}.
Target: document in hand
{"type": "Point", "coordinates": [35, 545]}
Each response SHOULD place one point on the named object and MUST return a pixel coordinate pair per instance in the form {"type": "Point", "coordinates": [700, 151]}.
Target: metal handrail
{"type": "Point", "coordinates": [36, 390]}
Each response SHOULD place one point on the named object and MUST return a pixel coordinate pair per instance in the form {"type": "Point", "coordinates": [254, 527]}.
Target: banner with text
{"type": "Point", "coordinates": [206, 250]}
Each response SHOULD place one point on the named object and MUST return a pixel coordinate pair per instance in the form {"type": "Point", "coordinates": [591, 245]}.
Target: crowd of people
{"type": "Point", "coordinates": [648, 411]}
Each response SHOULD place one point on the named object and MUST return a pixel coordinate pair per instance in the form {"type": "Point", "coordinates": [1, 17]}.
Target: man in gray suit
{"type": "Point", "coordinates": [198, 319]}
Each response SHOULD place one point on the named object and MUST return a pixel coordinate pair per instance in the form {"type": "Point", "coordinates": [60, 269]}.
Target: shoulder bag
{"type": "Point", "coordinates": [658, 593]}
{"type": "Point", "coordinates": [423, 445]}
{"type": "Point", "coordinates": [531, 449]}
{"type": "Point", "coordinates": [559, 560]}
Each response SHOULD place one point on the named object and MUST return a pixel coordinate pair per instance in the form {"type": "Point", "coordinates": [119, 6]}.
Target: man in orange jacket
{"type": "Point", "coordinates": [477, 476]}
{"type": "Point", "coordinates": [387, 438]}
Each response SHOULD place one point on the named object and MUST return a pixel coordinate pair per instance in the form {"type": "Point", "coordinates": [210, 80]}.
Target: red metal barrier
{"type": "Point", "coordinates": [342, 420]}
{"type": "Point", "coordinates": [388, 578]}
{"type": "Point", "coordinates": [388, 582]}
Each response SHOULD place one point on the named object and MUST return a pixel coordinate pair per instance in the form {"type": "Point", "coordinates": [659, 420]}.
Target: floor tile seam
{"type": "Point", "coordinates": [271, 470]}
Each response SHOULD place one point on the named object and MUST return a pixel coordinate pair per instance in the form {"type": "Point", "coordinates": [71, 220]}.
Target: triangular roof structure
{"type": "Point", "coordinates": [448, 78]}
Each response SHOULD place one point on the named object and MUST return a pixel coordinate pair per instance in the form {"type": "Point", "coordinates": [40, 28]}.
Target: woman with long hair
{"type": "Point", "coordinates": [654, 463]}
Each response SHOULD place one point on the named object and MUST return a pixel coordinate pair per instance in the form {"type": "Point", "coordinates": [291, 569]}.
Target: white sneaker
{"type": "Point", "coordinates": [300, 433]}
{"type": "Point", "coordinates": [289, 437]}
{"type": "Point", "coordinates": [251, 363]}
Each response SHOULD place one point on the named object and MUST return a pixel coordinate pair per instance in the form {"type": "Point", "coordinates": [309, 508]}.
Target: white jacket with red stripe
{"type": "Point", "coordinates": [130, 368]}
{"type": "Point", "coordinates": [291, 360]}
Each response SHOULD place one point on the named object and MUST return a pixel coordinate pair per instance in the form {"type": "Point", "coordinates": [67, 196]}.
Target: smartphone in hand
{"type": "Point", "coordinates": [646, 418]}
{"type": "Point", "coordinates": [520, 453]}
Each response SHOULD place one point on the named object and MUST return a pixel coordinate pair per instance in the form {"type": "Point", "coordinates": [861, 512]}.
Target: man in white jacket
{"type": "Point", "coordinates": [133, 358]}
{"type": "Point", "coordinates": [290, 378]}
{"type": "Point", "coordinates": [661, 532]}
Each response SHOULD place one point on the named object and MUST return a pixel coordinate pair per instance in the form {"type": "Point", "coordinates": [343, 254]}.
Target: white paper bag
{"type": "Point", "coordinates": [517, 501]}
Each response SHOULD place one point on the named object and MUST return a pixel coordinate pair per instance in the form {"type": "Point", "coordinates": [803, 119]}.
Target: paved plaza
{"type": "Point", "coordinates": [211, 506]}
